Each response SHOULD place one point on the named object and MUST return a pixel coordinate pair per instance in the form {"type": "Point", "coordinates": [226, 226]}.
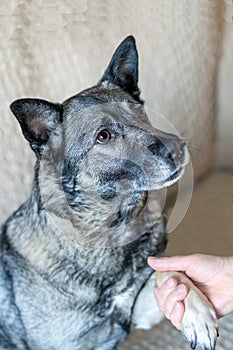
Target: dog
{"type": "Point", "coordinates": [73, 257]}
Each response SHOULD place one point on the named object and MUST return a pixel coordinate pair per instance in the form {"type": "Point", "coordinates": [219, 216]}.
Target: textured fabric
{"type": "Point", "coordinates": [53, 49]}
{"type": "Point", "coordinates": [166, 337]}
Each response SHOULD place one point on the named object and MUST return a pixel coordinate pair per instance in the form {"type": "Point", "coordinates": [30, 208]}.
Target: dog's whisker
{"type": "Point", "coordinates": [193, 148]}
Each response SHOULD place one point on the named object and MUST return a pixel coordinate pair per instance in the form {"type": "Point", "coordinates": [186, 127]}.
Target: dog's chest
{"type": "Point", "coordinates": [45, 309]}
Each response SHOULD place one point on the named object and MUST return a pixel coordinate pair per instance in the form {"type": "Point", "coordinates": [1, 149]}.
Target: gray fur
{"type": "Point", "coordinates": [79, 245]}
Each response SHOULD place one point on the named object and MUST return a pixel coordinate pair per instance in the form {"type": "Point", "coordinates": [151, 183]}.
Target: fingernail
{"type": "Point", "coordinates": [181, 289]}
{"type": "Point", "coordinates": [170, 283]}
{"type": "Point", "coordinates": [151, 260]}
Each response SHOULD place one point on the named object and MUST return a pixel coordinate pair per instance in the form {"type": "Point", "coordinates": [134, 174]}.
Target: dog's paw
{"type": "Point", "coordinates": [199, 324]}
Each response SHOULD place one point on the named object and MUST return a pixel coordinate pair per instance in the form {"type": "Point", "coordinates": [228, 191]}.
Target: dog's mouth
{"type": "Point", "coordinates": [149, 172]}
{"type": "Point", "coordinates": [178, 172]}
{"type": "Point", "coordinates": [138, 182]}
{"type": "Point", "coordinates": [169, 181]}
{"type": "Point", "coordinates": [176, 175]}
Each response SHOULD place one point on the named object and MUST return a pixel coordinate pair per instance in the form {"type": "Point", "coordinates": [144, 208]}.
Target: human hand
{"type": "Point", "coordinates": [211, 274]}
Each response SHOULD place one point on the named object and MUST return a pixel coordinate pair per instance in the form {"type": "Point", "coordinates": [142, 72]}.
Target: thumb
{"type": "Point", "coordinates": [176, 263]}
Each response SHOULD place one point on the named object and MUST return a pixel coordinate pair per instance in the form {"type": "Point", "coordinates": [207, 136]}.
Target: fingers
{"type": "Point", "coordinates": [162, 293]}
{"type": "Point", "coordinates": [170, 299]}
{"type": "Point", "coordinates": [177, 314]}
{"type": "Point", "coordinates": [176, 263]}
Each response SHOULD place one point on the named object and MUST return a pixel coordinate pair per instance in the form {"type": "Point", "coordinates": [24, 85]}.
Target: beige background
{"type": "Point", "coordinates": [52, 49]}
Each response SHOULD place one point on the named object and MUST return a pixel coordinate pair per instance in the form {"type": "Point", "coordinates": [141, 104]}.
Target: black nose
{"type": "Point", "coordinates": [172, 150]}
{"type": "Point", "coordinates": [169, 150]}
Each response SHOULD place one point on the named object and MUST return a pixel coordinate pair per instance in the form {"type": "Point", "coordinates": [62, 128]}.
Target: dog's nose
{"type": "Point", "coordinates": [172, 150]}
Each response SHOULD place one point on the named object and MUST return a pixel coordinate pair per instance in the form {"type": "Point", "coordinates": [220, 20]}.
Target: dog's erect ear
{"type": "Point", "coordinates": [123, 67]}
{"type": "Point", "coordinates": [38, 119]}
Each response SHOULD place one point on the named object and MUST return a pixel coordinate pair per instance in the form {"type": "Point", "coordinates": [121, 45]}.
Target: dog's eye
{"type": "Point", "coordinates": [103, 136]}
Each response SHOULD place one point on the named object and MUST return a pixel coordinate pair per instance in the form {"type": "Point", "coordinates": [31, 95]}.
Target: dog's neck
{"type": "Point", "coordinates": [98, 222]}
{"type": "Point", "coordinates": [63, 239]}
{"type": "Point", "coordinates": [88, 218]}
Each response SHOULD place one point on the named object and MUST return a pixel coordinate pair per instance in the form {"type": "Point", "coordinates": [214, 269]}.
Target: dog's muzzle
{"type": "Point", "coordinates": [120, 170]}
{"type": "Point", "coordinates": [152, 164]}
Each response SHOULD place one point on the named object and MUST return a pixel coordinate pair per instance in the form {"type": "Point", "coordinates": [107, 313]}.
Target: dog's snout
{"type": "Point", "coordinates": [172, 150]}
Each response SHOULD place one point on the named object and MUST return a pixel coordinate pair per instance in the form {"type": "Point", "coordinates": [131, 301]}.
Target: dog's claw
{"type": "Point", "coordinates": [193, 343]}
{"type": "Point", "coordinates": [201, 332]}
{"type": "Point", "coordinates": [202, 341]}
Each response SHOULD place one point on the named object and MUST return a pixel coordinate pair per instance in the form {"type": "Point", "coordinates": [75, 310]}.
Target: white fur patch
{"type": "Point", "coordinates": [146, 312]}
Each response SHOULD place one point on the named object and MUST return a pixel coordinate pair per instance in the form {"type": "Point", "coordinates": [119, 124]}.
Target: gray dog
{"type": "Point", "coordinates": [73, 258]}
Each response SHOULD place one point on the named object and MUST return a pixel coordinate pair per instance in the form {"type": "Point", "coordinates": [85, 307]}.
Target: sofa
{"type": "Point", "coordinates": [53, 49]}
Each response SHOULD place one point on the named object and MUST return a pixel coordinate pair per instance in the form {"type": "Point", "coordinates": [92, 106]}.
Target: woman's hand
{"type": "Point", "coordinates": [213, 275]}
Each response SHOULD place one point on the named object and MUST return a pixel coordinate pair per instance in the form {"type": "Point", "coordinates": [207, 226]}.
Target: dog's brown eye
{"type": "Point", "coordinates": [103, 136]}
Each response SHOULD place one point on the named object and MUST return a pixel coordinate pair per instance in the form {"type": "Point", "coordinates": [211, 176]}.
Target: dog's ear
{"type": "Point", "coordinates": [38, 119]}
{"type": "Point", "coordinates": [123, 67]}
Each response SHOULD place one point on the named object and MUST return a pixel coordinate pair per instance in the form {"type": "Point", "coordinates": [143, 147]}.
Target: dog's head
{"type": "Point", "coordinates": [100, 142]}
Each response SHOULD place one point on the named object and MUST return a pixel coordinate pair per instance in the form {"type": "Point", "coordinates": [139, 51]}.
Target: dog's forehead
{"type": "Point", "coordinates": [97, 106]}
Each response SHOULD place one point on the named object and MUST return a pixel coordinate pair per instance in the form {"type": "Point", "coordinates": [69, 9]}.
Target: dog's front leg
{"type": "Point", "coordinates": [199, 324]}
{"type": "Point", "coordinates": [146, 312]}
